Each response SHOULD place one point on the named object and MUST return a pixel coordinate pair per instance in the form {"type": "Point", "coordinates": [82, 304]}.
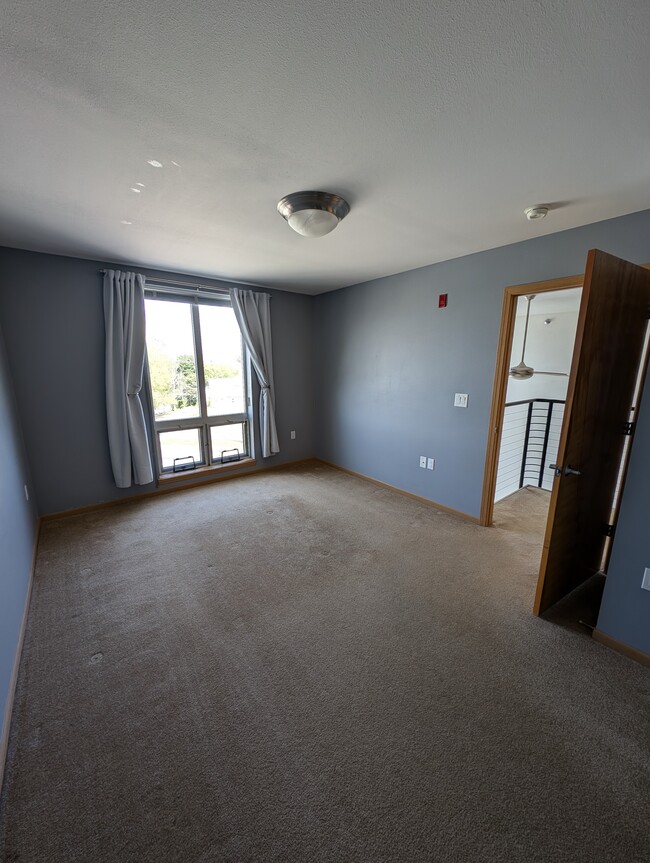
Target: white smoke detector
{"type": "Point", "coordinates": [533, 213]}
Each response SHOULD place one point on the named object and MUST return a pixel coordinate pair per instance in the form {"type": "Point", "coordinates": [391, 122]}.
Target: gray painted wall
{"type": "Point", "coordinates": [390, 362]}
{"type": "Point", "coordinates": [52, 311]}
{"type": "Point", "coordinates": [17, 532]}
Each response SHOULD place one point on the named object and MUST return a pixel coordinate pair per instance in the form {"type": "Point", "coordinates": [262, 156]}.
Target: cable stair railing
{"type": "Point", "coordinates": [529, 442]}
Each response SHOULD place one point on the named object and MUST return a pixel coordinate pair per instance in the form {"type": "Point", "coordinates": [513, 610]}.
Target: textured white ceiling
{"type": "Point", "coordinates": [551, 303]}
{"type": "Point", "coordinates": [438, 121]}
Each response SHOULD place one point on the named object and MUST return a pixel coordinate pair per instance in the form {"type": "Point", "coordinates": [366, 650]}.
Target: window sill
{"type": "Point", "coordinates": [204, 471]}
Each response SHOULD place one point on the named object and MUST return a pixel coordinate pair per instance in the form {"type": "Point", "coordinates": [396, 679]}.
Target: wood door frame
{"type": "Point", "coordinates": [504, 351]}
{"type": "Point", "coordinates": [500, 386]}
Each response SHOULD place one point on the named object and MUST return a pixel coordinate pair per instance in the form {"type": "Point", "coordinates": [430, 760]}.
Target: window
{"type": "Point", "coordinates": [198, 381]}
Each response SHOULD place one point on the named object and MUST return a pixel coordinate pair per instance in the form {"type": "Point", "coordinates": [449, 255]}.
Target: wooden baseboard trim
{"type": "Point", "coordinates": [621, 647]}
{"type": "Point", "coordinates": [9, 706]}
{"type": "Point", "coordinates": [401, 491]}
{"type": "Point", "coordinates": [172, 488]}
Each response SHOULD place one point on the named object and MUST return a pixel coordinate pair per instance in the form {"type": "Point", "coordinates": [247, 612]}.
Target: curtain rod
{"type": "Point", "coordinates": [181, 284]}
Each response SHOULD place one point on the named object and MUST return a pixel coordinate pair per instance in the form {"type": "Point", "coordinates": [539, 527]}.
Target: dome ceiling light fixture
{"type": "Point", "coordinates": [313, 214]}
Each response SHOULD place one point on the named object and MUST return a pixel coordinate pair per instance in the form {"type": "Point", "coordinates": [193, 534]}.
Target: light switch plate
{"type": "Point", "coordinates": [460, 400]}
{"type": "Point", "coordinates": [431, 463]}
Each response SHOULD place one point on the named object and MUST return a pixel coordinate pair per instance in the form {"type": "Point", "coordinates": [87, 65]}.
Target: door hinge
{"type": "Point", "coordinates": [628, 428]}
{"type": "Point", "coordinates": [609, 530]}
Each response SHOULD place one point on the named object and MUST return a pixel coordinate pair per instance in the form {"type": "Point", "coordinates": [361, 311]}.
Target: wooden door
{"type": "Point", "coordinates": [608, 349]}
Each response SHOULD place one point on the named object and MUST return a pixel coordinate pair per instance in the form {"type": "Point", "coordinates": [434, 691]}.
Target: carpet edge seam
{"type": "Point", "coordinates": [621, 647]}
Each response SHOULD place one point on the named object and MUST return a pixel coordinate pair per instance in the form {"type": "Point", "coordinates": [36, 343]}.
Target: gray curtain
{"type": "Point", "coordinates": [125, 347]}
{"type": "Point", "coordinates": [253, 313]}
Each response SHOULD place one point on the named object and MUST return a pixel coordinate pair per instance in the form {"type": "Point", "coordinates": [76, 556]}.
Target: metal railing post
{"type": "Point", "coordinates": [525, 453]}
{"type": "Point", "coordinates": [547, 431]}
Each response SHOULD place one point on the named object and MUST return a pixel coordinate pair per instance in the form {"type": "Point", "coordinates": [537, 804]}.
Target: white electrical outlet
{"type": "Point", "coordinates": [293, 435]}
{"type": "Point", "coordinates": [423, 461]}
{"type": "Point", "coordinates": [431, 463]}
{"type": "Point", "coordinates": [645, 583]}
{"type": "Point", "coordinates": [460, 400]}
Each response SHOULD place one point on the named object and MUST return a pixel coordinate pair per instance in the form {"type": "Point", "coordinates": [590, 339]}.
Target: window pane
{"type": "Point", "coordinates": [231, 436]}
{"type": "Point", "coordinates": [181, 444]}
{"type": "Point", "coordinates": [222, 361]}
{"type": "Point", "coordinates": [172, 368]}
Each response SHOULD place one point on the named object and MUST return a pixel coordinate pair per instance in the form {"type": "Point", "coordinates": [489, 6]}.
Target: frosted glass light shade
{"type": "Point", "coordinates": [313, 223]}
{"type": "Point", "coordinates": [313, 214]}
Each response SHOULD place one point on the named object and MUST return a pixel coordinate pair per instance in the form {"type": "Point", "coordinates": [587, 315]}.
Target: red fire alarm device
{"type": "Point", "coordinates": [442, 301]}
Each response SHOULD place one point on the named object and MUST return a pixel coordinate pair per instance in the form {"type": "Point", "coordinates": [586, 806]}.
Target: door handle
{"type": "Point", "coordinates": [567, 471]}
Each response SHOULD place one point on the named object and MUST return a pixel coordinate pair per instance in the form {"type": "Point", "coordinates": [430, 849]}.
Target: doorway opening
{"type": "Point", "coordinates": [536, 389]}
{"type": "Point", "coordinates": [605, 382]}
{"type": "Point", "coordinates": [525, 437]}
{"type": "Point", "coordinates": [524, 406]}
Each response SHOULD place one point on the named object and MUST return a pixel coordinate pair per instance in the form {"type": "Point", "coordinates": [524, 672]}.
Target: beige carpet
{"type": "Point", "coordinates": [301, 666]}
{"type": "Point", "coordinates": [523, 515]}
